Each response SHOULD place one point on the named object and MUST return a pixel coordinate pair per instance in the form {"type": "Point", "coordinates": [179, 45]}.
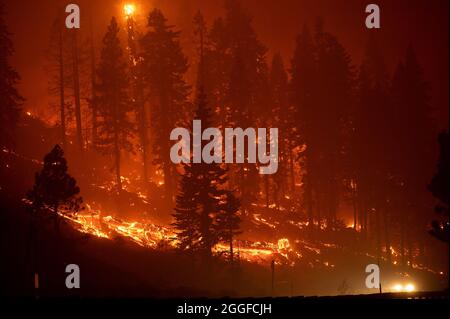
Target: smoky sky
{"type": "Point", "coordinates": [421, 23]}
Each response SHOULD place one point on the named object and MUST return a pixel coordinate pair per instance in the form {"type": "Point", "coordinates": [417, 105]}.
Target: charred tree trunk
{"type": "Point", "coordinates": [138, 95]}
{"type": "Point", "coordinates": [117, 148]}
{"type": "Point", "coordinates": [308, 200]}
{"type": "Point", "coordinates": [291, 169]}
{"type": "Point", "coordinates": [144, 139]}
{"type": "Point", "coordinates": [61, 90]}
{"type": "Point", "coordinates": [117, 162]}
{"type": "Point", "coordinates": [93, 100]}
{"type": "Point", "coordinates": [165, 147]}
{"type": "Point", "coordinates": [76, 90]}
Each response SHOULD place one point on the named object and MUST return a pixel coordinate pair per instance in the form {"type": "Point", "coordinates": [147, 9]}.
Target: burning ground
{"type": "Point", "coordinates": [136, 256]}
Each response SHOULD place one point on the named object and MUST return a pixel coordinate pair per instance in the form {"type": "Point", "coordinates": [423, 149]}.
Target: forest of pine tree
{"type": "Point", "coordinates": [333, 116]}
{"type": "Point", "coordinates": [361, 163]}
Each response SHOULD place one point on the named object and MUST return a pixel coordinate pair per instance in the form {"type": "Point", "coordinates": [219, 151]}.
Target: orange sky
{"type": "Point", "coordinates": [420, 22]}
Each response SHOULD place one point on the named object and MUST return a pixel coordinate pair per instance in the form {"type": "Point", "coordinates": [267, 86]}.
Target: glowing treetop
{"type": "Point", "coordinates": [129, 9]}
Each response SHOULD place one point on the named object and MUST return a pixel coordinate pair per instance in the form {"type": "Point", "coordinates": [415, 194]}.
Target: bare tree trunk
{"type": "Point", "coordinates": [117, 146]}
{"type": "Point", "coordinates": [93, 102]}
{"type": "Point", "coordinates": [61, 90]}
{"type": "Point", "coordinates": [292, 173]}
{"type": "Point", "coordinates": [168, 178]}
{"type": "Point", "coordinates": [144, 142]}
{"type": "Point", "coordinates": [117, 163]}
{"type": "Point", "coordinates": [76, 90]}
{"type": "Point", "coordinates": [138, 95]}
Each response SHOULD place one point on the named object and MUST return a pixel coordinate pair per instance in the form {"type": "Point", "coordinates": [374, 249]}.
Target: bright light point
{"type": "Point", "coordinates": [409, 287]}
{"type": "Point", "coordinates": [398, 288]}
{"type": "Point", "coordinates": [129, 9]}
{"type": "Point", "coordinates": [404, 288]}
{"type": "Point", "coordinates": [283, 243]}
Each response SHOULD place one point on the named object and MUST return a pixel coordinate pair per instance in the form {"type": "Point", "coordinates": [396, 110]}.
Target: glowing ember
{"type": "Point", "coordinates": [283, 243]}
{"type": "Point", "coordinates": [144, 234]}
{"type": "Point", "coordinates": [153, 236]}
{"type": "Point", "coordinates": [129, 9]}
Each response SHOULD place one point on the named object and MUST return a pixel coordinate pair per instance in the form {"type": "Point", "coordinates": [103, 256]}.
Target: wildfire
{"type": "Point", "coordinates": [143, 234]}
{"type": "Point", "coordinates": [283, 243]}
{"type": "Point", "coordinates": [129, 9]}
{"type": "Point", "coordinates": [262, 220]}
{"type": "Point", "coordinates": [153, 236]}
{"type": "Point", "coordinates": [149, 235]}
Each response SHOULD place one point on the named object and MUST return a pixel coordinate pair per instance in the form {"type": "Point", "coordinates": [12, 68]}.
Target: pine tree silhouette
{"type": "Point", "coordinates": [246, 89]}
{"type": "Point", "coordinates": [57, 66]}
{"type": "Point", "coordinates": [304, 88]}
{"type": "Point", "coordinates": [281, 118]}
{"type": "Point", "coordinates": [54, 190]}
{"type": "Point", "coordinates": [321, 64]}
{"type": "Point", "coordinates": [202, 198]}
{"type": "Point", "coordinates": [366, 162]}
{"type": "Point", "coordinates": [114, 125]}
{"type": "Point", "coordinates": [10, 99]}
{"type": "Point", "coordinates": [164, 67]}
{"type": "Point", "coordinates": [228, 220]}
{"type": "Point", "coordinates": [216, 72]}
{"type": "Point", "coordinates": [411, 149]}
{"type": "Point", "coordinates": [185, 213]}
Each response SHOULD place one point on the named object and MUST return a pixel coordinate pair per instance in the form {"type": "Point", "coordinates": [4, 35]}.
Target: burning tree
{"type": "Point", "coordinates": [57, 65]}
{"type": "Point", "coordinates": [137, 87]}
{"type": "Point", "coordinates": [114, 127]}
{"type": "Point", "coordinates": [54, 188]}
